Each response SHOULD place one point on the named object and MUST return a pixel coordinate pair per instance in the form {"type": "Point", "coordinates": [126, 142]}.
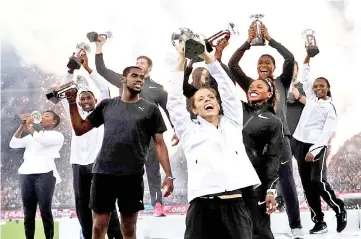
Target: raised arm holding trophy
{"type": "Point", "coordinates": [74, 61]}
{"type": "Point", "coordinates": [310, 42]}
{"type": "Point", "coordinates": [194, 45]}
{"type": "Point", "coordinates": [94, 36]}
{"type": "Point", "coordinates": [259, 38]}
{"type": "Point", "coordinates": [215, 39]}
{"type": "Point", "coordinates": [57, 93]}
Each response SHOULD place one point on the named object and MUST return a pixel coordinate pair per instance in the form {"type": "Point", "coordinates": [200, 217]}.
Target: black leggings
{"type": "Point", "coordinates": [38, 188]}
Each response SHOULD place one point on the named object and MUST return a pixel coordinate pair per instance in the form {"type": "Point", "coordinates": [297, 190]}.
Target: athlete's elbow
{"type": "Point", "coordinates": [78, 132]}
{"type": "Point", "coordinates": [290, 58]}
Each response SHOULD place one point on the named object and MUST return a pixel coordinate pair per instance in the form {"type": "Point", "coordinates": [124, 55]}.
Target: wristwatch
{"type": "Point", "coordinates": [171, 178]}
{"type": "Point", "coordinates": [272, 192]}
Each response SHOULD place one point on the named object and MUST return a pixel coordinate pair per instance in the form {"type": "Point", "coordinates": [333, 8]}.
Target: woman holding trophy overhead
{"type": "Point", "coordinates": [38, 174]}
{"type": "Point", "coordinates": [265, 66]}
{"type": "Point", "coordinates": [218, 166]}
{"type": "Point", "coordinates": [314, 130]}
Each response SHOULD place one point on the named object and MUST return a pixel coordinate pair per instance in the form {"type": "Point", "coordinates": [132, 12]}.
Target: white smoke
{"type": "Point", "coordinates": [46, 32]}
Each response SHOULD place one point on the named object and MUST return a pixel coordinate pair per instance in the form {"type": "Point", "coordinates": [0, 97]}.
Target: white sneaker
{"type": "Point", "coordinates": [297, 233]}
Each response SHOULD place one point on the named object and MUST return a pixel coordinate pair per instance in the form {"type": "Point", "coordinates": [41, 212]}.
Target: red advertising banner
{"type": "Point", "coordinates": [169, 209]}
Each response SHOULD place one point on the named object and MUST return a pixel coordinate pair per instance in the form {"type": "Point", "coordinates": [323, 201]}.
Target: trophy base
{"type": "Point", "coordinates": [193, 49]}
{"type": "Point", "coordinates": [197, 59]}
{"type": "Point", "coordinates": [52, 97]}
{"type": "Point", "coordinates": [74, 63]}
{"type": "Point", "coordinates": [92, 36]}
{"type": "Point", "coordinates": [312, 50]}
{"type": "Point", "coordinates": [209, 46]}
{"type": "Point", "coordinates": [259, 41]}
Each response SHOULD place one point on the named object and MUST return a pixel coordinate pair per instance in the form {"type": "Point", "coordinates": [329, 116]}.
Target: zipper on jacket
{"type": "Point", "coordinates": [244, 126]}
{"type": "Point", "coordinates": [255, 114]}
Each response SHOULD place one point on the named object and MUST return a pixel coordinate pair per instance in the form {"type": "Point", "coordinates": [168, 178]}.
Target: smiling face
{"type": "Point", "coordinates": [321, 88]}
{"type": "Point", "coordinates": [205, 104]}
{"type": "Point", "coordinates": [265, 67]}
{"type": "Point", "coordinates": [134, 80]}
{"type": "Point", "coordinates": [259, 91]}
{"type": "Point", "coordinates": [87, 101]}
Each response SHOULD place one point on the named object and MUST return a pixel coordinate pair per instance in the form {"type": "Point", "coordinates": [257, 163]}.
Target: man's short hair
{"type": "Point", "coordinates": [55, 117]}
{"type": "Point", "coordinates": [86, 91]}
{"type": "Point", "coordinates": [127, 70]}
{"type": "Point", "coordinates": [149, 61]}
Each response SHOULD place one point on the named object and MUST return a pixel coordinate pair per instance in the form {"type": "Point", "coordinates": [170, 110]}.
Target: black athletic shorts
{"type": "Point", "coordinates": [128, 191]}
{"type": "Point", "coordinates": [218, 219]}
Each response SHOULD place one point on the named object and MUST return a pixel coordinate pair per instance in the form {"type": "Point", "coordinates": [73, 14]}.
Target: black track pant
{"type": "Point", "coordinates": [152, 168]}
{"type": "Point", "coordinates": [38, 188]}
{"type": "Point", "coordinates": [82, 179]}
{"type": "Point", "coordinates": [261, 221]}
{"type": "Point", "coordinates": [288, 186]}
{"type": "Point", "coordinates": [218, 218]}
{"type": "Point", "coordinates": [314, 181]}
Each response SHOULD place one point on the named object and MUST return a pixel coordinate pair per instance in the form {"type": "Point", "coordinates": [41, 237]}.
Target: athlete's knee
{"type": "Point", "coordinates": [128, 225]}
{"type": "Point", "coordinates": [128, 229]}
{"type": "Point", "coordinates": [317, 182]}
{"type": "Point", "coordinates": [100, 225]}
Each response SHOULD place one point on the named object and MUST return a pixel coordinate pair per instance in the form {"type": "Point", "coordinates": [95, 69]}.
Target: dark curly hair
{"type": "Point", "coordinates": [271, 88]}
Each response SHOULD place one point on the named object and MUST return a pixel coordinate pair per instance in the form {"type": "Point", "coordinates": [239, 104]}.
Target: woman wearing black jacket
{"type": "Point", "coordinates": [262, 138]}
{"type": "Point", "coordinates": [266, 66]}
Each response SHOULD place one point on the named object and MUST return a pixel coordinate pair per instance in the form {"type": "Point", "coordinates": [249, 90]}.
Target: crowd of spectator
{"type": "Point", "coordinates": [344, 169]}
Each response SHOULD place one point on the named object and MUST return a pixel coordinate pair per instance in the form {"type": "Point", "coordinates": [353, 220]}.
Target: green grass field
{"type": "Point", "coordinates": [13, 230]}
